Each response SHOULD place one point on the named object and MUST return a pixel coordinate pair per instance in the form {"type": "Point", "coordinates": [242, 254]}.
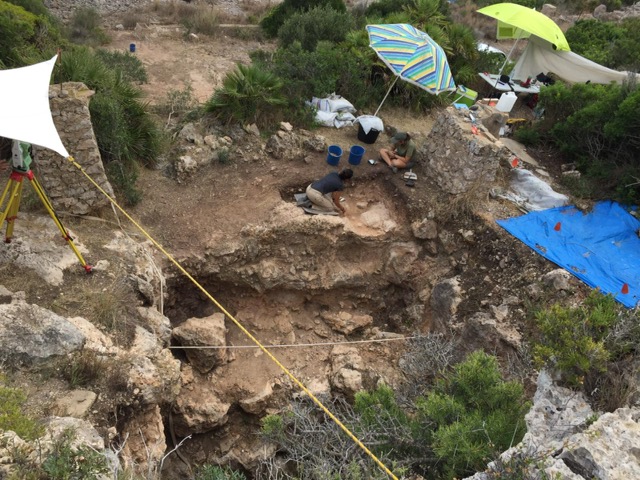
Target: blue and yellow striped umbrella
{"type": "Point", "coordinates": [413, 56]}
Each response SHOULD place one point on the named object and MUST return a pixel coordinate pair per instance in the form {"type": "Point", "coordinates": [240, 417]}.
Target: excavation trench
{"type": "Point", "coordinates": [304, 285]}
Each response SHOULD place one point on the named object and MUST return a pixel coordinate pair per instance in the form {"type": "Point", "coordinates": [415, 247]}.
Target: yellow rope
{"type": "Point", "coordinates": [238, 324]}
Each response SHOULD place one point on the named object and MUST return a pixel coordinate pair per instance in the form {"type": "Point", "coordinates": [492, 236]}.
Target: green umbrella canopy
{"type": "Point", "coordinates": [529, 21]}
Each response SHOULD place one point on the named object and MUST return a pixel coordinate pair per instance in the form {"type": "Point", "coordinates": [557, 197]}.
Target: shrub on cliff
{"type": "Point", "coordinates": [463, 421]}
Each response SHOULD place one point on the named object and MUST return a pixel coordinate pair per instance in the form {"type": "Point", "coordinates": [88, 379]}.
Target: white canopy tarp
{"type": "Point", "coordinates": [25, 114]}
{"type": "Point", "coordinates": [539, 57]}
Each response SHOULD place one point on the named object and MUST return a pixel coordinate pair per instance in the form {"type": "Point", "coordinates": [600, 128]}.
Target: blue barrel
{"type": "Point", "coordinates": [132, 47]}
{"type": "Point", "coordinates": [335, 152]}
{"type": "Point", "coordinates": [355, 155]}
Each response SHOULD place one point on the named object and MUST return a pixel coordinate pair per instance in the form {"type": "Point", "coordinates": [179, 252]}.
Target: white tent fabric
{"type": "Point", "coordinates": [24, 106]}
{"type": "Point", "coordinates": [539, 57]}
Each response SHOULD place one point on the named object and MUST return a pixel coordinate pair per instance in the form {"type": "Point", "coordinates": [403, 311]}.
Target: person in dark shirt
{"type": "Point", "coordinates": [325, 193]}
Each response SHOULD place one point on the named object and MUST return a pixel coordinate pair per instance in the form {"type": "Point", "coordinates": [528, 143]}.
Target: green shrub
{"type": "Point", "coordinates": [34, 6]}
{"type": "Point", "coordinates": [18, 29]}
{"type": "Point", "coordinates": [68, 463]}
{"type": "Point", "coordinates": [124, 129]}
{"type": "Point", "coordinates": [276, 17]}
{"type": "Point", "coordinates": [475, 415]}
{"type": "Point", "coordinates": [321, 23]}
{"type": "Point", "coordinates": [248, 95]}
{"type": "Point", "coordinates": [466, 420]}
{"type": "Point", "coordinates": [382, 8]}
{"type": "Point", "coordinates": [325, 70]}
{"type": "Point", "coordinates": [11, 415]}
{"type": "Point", "coordinates": [214, 472]}
{"type": "Point", "coordinates": [527, 136]}
{"type": "Point", "coordinates": [123, 177]}
{"type": "Point", "coordinates": [129, 65]}
{"type": "Point", "coordinates": [572, 340]}
{"type": "Point", "coordinates": [85, 27]}
{"type": "Point", "coordinates": [594, 40]}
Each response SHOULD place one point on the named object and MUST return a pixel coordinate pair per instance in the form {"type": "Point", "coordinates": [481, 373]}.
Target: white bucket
{"type": "Point", "coordinates": [506, 102]}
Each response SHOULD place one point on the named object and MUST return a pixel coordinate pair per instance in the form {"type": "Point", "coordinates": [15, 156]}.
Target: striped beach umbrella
{"type": "Point", "coordinates": [413, 56]}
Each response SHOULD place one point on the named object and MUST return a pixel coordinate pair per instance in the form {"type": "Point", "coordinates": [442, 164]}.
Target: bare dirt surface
{"type": "Point", "coordinates": [174, 63]}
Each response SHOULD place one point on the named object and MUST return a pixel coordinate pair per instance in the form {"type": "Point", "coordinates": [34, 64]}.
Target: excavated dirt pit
{"type": "Point", "coordinates": [322, 267]}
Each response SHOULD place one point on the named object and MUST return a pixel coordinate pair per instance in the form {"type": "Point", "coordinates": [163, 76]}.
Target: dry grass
{"type": "Point", "coordinates": [110, 307]}
{"type": "Point", "coordinates": [462, 206]}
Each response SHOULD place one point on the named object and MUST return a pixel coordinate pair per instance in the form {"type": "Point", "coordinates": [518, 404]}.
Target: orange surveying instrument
{"type": "Point", "coordinates": [21, 169]}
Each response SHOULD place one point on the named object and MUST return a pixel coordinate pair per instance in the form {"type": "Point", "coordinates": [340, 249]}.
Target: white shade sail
{"type": "Point", "coordinates": [25, 114]}
{"type": "Point", "coordinates": [540, 57]}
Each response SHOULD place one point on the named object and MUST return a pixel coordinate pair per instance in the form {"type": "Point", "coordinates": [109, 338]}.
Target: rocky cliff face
{"type": "Point", "coordinates": [566, 439]}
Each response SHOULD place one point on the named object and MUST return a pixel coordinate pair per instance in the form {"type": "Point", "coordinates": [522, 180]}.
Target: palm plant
{"type": "Point", "coordinates": [248, 94]}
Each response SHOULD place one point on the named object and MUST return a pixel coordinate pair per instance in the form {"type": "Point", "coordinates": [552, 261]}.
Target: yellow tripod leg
{"type": "Point", "coordinates": [13, 190]}
{"type": "Point", "coordinates": [65, 234]}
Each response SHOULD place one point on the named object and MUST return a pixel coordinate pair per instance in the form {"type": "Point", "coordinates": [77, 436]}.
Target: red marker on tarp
{"type": "Point", "coordinates": [625, 288]}
{"type": "Point", "coordinates": [558, 227]}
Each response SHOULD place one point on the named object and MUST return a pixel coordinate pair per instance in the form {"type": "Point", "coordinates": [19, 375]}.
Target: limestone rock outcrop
{"type": "Point", "coordinates": [567, 441]}
{"type": "Point", "coordinates": [32, 334]}
{"type": "Point", "coordinates": [204, 332]}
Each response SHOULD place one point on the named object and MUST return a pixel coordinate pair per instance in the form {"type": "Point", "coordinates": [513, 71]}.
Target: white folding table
{"type": "Point", "coordinates": [496, 84]}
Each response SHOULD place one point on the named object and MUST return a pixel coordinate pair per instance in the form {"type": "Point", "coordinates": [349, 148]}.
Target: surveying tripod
{"type": "Point", "coordinates": [12, 194]}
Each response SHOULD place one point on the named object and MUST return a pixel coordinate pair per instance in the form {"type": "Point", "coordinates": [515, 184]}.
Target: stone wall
{"type": "Point", "coordinates": [456, 159]}
{"type": "Point", "coordinates": [67, 188]}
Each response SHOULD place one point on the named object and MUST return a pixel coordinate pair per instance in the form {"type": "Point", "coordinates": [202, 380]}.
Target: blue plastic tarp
{"type": "Point", "coordinates": [602, 247]}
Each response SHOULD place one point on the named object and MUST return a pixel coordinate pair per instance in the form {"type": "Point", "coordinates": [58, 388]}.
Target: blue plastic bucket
{"type": "Point", "coordinates": [335, 152]}
{"type": "Point", "coordinates": [132, 47]}
{"type": "Point", "coordinates": [355, 155]}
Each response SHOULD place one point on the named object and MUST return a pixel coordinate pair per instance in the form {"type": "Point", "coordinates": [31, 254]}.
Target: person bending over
{"type": "Point", "coordinates": [401, 154]}
{"type": "Point", "coordinates": [325, 193]}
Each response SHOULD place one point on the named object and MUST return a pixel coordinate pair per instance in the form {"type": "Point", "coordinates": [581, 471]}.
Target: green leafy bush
{"type": "Point", "coordinates": [595, 125]}
{"type": "Point", "coordinates": [214, 472]}
{"type": "Point", "coordinates": [129, 65]}
{"type": "Point", "coordinates": [248, 95]}
{"type": "Point", "coordinates": [527, 136]}
{"type": "Point", "coordinates": [325, 70]}
{"type": "Point", "coordinates": [18, 29]}
{"type": "Point", "coordinates": [12, 417]}
{"type": "Point", "coordinates": [276, 17]}
{"type": "Point", "coordinates": [475, 415]}
{"type": "Point", "coordinates": [321, 23]}
{"type": "Point", "coordinates": [68, 463]}
{"type": "Point", "coordinates": [594, 40]}
{"type": "Point", "coordinates": [85, 27]}
{"type": "Point", "coordinates": [382, 8]}
{"type": "Point", "coordinates": [469, 417]}
{"type": "Point", "coordinates": [572, 340]}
